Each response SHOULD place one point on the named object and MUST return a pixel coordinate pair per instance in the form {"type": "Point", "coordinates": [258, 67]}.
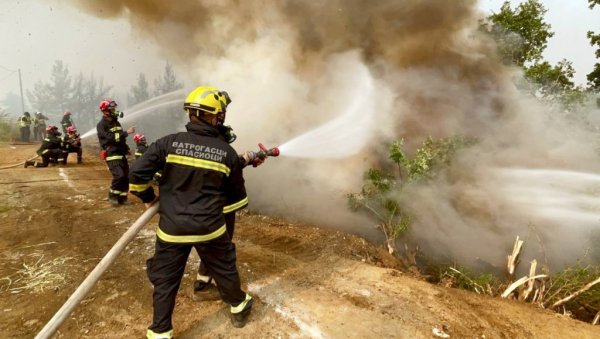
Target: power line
{"type": "Point", "coordinates": [8, 69]}
{"type": "Point", "coordinates": [8, 76]}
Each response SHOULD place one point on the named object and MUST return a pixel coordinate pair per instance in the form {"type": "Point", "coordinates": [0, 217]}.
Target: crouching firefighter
{"type": "Point", "coordinates": [113, 141]}
{"type": "Point", "coordinates": [72, 144]}
{"type": "Point", "coordinates": [51, 149]}
{"type": "Point", "coordinates": [201, 173]}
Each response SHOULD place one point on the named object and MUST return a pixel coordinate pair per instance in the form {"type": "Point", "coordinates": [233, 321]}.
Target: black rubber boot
{"type": "Point", "coordinates": [239, 320]}
{"type": "Point", "coordinates": [204, 291]}
{"type": "Point", "coordinates": [29, 163]}
{"type": "Point", "coordinates": [79, 160]}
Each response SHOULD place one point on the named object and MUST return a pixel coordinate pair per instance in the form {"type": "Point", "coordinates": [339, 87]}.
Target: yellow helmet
{"type": "Point", "coordinates": [204, 98]}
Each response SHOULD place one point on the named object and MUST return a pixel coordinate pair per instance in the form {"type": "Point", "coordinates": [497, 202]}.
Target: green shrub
{"type": "Point", "coordinates": [382, 189]}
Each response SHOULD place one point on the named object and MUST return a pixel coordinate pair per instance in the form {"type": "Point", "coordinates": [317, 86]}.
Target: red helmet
{"type": "Point", "coordinates": [49, 128]}
{"type": "Point", "coordinates": [138, 137]}
{"type": "Point", "coordinates": [67, 113]}
{"type": "Point", "coordinates": [71, 129]}
{"type": "Point", "coordinates": [106, 104]}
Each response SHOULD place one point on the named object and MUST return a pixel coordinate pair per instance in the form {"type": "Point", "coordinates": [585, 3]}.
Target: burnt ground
{"type": "Point", "coordinates": [308, 282]}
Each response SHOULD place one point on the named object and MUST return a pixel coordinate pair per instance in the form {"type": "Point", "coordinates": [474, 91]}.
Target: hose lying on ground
{"type": "Point", "coordinates": [83, 289]}
{"type": "Point", "coordinates": [19, 164]}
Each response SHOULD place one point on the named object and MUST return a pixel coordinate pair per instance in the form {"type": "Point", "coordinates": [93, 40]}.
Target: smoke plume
{"type": "Point", "coordinates": [288, 66]}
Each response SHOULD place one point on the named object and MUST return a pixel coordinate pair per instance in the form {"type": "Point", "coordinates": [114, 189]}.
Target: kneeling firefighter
{"type": "Point", "coordinates": [201, 174]}
{"type": "Point", "coordinates": [51, 149]}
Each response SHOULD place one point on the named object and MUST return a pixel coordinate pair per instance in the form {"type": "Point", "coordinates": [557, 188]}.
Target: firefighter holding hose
{"type": "Point", "coordinates": [205, 288]}
{"type": "Point", "coordinates": [113, 141]}
{"type": "Point", "coordinates": [202, 174]}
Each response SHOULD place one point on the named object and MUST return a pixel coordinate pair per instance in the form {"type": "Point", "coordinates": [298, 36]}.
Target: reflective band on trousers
{"type": "Point", "coordinates": [114, 157]}
{"type": "Point", "coordinates": [201, 163]}
{"type": "Point", "coordinates": [239, 308]}
{"type": "Point", "coordinates": [233, 207]}
{"type": "Point", "coordinates": [139, 187]}
{"type": "Point", "coordinates": [117, 192]}
{"type": "Point", "coordinates": [153, 335]}
{"type": "Point", "coordinates": [187, 239]}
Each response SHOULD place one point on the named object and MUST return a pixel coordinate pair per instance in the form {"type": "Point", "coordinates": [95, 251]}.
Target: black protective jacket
{"type": "Point", "coordinates": [51, 144]}
{"type": "Point", "coordinates": [202, 178]}
{"type": "Point", "coordinates": [72, 141]}
{"type": "Point", "coordinates": [112, 137]}
{"type": "Point", "coordinates": [140, 150]}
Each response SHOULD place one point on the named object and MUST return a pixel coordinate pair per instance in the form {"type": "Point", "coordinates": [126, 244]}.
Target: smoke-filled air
{"type": "Point", "coordinates": [334, 83]}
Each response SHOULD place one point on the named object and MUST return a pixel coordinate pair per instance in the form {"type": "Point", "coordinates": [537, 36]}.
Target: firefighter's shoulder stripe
{"type": "Point", "coordinates": [236, 206]}
{"type": "Point", "coordinates": [188, 239]}
{"type": "Point", "coordinates": [200, 163]}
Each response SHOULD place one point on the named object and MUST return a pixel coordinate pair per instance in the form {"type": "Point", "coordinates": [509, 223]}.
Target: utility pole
{"type": "Point", "coordinates": [21, 86]}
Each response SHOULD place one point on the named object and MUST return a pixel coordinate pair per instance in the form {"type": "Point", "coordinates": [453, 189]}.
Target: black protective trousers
{"type": "Point", "coordinates": [77, 150]}
{"type": "Point", "coordinates": [25, 132]}
{"type": "Point", "coordinates": [120, 183]}
{"type": "Point", "coordinates": [165, 270]}
{"type": "Point", "coordinates": [47, 159]}
{"type": "Point", "coordinates": [230, 225]}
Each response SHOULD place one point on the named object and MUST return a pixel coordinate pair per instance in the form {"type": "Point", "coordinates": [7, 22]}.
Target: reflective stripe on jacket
{"type": "Point", "coordinates": [111, 137]}
{"type": "Point", "coordinates": [201, 175]}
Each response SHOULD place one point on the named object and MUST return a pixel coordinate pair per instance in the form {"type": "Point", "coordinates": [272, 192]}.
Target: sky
{"type": "Point", "coordinates": [35, 33]}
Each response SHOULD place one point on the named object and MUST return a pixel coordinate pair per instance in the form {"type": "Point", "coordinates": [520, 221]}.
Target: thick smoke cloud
{"type": "Point", "coordinates": [284, 63]}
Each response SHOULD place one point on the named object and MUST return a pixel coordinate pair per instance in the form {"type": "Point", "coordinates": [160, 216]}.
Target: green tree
{"type": "Point", "coordinates": [593, 77]}
{"type": "Point", "coordinates": [167, 82]}
{"type": "Point", "coordinates": [521, 34]}
{"type": "Point", "coordinates": [139, 92]}
{"type": "Point", "coordinates": [60, 86]}
{"type": "Point", "coordinates": [54, 96]}
{"type": "Point", "coordinates": [87, 93]}
{"type": "Point", "coordinates": [555, 83]}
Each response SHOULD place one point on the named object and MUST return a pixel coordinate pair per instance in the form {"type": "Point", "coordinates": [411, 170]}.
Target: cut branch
{"type": "Point", "coordinates": [512, 259]}
{"type": "Point", "coordinates": [520, 282]}
{"type": "Point", "coordinates": [576, 294]}
{"type": "Point", "coordinates": [530, 283]}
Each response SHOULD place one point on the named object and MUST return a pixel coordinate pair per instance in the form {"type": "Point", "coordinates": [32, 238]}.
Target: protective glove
{"type": "Point", "coordinates": [254, 158]}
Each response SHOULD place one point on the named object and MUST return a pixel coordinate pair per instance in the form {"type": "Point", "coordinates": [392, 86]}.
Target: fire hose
{"type": "Point", "coordinates": [89, 282]}
{"type": "Point", "coordinates": [19, 164]}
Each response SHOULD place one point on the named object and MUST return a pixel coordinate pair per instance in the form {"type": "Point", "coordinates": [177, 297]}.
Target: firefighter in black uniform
{"type": "Point", "coordinates": [113, 141]}
{"type": "Point", "coordinates": [50, 150]}
{"type": "Point", "coordinates": [140, 145]}
{"type": "Point", "coordinates": [205, 287]}
{"type": "Point", "coordinates": [66, 122]}
{"type": "Point", "coordinates": [72, 144]}
{"type": "Point", "coordinates": [201, 174]}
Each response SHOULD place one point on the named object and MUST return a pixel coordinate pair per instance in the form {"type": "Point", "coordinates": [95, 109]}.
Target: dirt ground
{"type": "Point", "coordinates": [308, 282]}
